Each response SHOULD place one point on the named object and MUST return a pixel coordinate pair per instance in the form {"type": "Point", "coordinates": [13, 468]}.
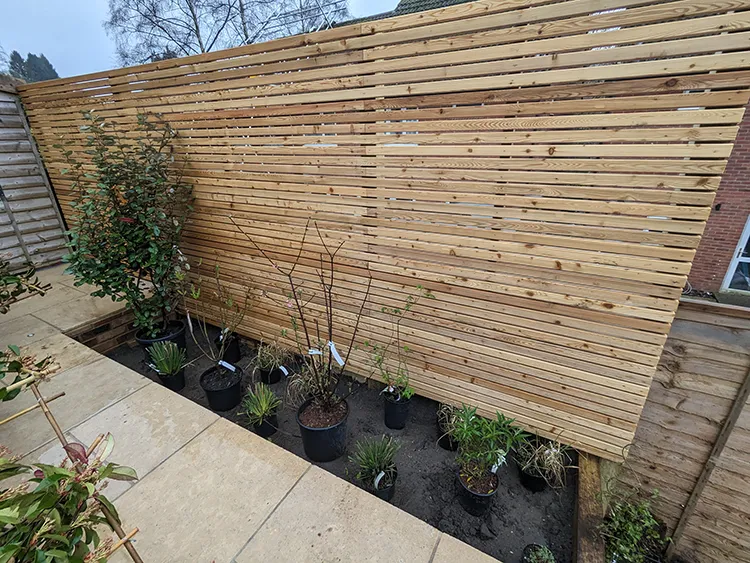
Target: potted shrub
{"type": "Point", "coordinates": [260, 405]}
{"type": "Point", "coordinates": [446, 423]}
{"type": "Point", "coordinates": [322, 412]}
{"type": "Point", "coordinates": [631, 532]}
{"type": "Point", "coordinates": [542, 463]}
{"type": "Point", "coordinates": [222, 382]}
{"type": "Point", "coordinates": [130, 212]}
{"type": "Point", "coordinates": [376, 465]}
{"type": "Point", "coordinates": [483, 447]}
{"type": "Point", "coordinates": [534, 553]}
{"type": "Point", "coordinates": [270, 360]}
{"type": "Point", "coordinates": [389, 361]}
{"type": "Point", "coordinates": [169, 361]}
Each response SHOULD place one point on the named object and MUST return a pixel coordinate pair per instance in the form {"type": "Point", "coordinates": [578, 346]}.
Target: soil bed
{"type": "Point", "coordinates": [217, 379]}
{"type": "Point", "coordinates": [426, 472]}
{"type": "Point", "coordinates": [315, 417]}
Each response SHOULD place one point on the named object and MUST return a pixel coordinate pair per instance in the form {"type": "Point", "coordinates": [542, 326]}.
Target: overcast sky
{"type": "Point", "coordinates": [71, 36]}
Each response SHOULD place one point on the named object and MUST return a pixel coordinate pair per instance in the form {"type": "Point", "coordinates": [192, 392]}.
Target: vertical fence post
{"type": "Point", "coordinates": [708, 468]}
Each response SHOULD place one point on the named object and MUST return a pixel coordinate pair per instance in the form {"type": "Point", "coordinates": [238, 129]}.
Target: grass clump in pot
{"type": "Point", "coordinates": [483, 447]}
{"type": "Point", "coordinates": [631, 532]}
{"type": "Point", "coordinates": [446, 421]}
{"type": "Point", "coordinates": [533, 553]}
{"type": "Point", "coordinates": [260, 406]}
{"type": "Point", "coordinates": [375, 459]}
{"type": "Point", "coordinates": [548, 460]}
{"type": "Point", "coordinates": [269, 360]}
{"type": "Point", "coordinates": [167, 359]}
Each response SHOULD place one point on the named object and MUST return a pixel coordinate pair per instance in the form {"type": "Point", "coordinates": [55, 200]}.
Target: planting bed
{"type": "Point", "coordinates": [426, 484]}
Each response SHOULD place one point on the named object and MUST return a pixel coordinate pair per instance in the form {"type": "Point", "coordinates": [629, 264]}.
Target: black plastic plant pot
{"type": "Point", "coordinates": [323, 444]}
{"type": "Point", "coordinates": [396, 412]}
{"type": "Point", "coordinates": [533, 483]}
{"type": "Point", "coordinates": [270, 376]}
{"type": "Point", "coordinates": [232, 353]}
{"type": "Point", "coordinates": [386, 493]}
{"type": "Point", "coordinates": [176, 334]}
{"type": "Point", "coordinates": [268, 427]}
{"type": "Point", "coordinates": [445, 440]}
{"type": "Point", "coordinates": [223, 393]}
{"type": "Point", "coordinates": [476, 504]}
{"type": "Point", "coordinates": [174, 382]}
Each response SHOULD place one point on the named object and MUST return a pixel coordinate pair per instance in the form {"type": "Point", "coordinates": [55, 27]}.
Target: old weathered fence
{"type": "Point", "coordinates": [702, 474]}
{"type": "Point", "coordinates": [31, 229]}
{"type": "Point", "coordinates": [545, 167]}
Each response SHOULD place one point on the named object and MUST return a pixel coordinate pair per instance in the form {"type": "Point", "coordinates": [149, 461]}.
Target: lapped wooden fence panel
{"type": "Point", "coordinates": [545, 168]}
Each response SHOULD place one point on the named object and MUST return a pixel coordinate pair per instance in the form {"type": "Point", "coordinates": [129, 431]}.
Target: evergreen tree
{"type": "Point", "coordinates": [33, 69]}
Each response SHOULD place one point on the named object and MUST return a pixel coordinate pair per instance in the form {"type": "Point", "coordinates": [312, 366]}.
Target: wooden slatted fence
{"type": "Point", "coordinates": [706, 360]}
{"type": "Point", "coordinates": [544, 167]}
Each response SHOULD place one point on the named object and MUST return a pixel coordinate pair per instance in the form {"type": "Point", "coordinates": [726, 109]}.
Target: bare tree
{"type": "Point", "coordinates": [148, 30]}
{"type": "Point", "coordinates": [152, 30]}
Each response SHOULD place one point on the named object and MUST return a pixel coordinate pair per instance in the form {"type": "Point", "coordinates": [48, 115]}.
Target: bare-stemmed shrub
{"type": "Point", "coordinates": [323, 365]}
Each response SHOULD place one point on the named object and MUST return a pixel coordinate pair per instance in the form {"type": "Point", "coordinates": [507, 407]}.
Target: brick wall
{"type": "Point", "coordinates": [728, 217]}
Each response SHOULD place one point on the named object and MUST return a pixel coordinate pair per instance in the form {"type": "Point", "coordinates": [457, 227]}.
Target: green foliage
{"type": "Point", "coordinates": [14, 285]}
{"type": "Point", "coordinates": [447, 416]}
{"type": "Point", "coordinates": [389, 359]}
{"type": "Point", "coordinates": [26, 368]}
{"type": "Point", "coordinates": [54, 514]}
{"type": "Point", "coordinates": [483, 443]}
{"type": "Point", "coordinates": [167, 358]}
{"type": "Point", "coordinates": [631, 533]}
{"type": "Point", "coordinates": [271, 356]}
{"type": "Point", "coordinates": [260, 403]}
{"type": "Point", "coordinates": [129, 218]}
{"type": "Point", "coordinates": [539, 554]}
{"type": "Point", "coordinates": [373, 456]}
{"type": "Point", "coordinates": [33, 69]}
{"type": "Point", "coordinates": [548, 459]}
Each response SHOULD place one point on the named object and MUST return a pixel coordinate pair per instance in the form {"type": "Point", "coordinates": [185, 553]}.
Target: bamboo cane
{"type": "Point", "coordinates": [111, 520]}
{"type": "Point", "coordinates": [122, 542]}
{"type": "Point", "coordinates": [31, 408]}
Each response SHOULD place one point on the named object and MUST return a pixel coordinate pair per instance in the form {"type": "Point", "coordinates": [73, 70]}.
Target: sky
{"type": "Point", "coordinates": [71, 35]}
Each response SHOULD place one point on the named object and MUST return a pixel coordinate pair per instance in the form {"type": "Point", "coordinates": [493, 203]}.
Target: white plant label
{"type": "Point", "coordinates": [230, 367]}
{"type": "Point", "coordinates": [378, 479]}
{"type": "Point", "coordinates": [314, 352]}
{"type": "Point", "coordinates": [335, 353]}
{"type": "Point", "coordinates": [190, 323]}
{"type": "Point", "coordinates": [284, 370]}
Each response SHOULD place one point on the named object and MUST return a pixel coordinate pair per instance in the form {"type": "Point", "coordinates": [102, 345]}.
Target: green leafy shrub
{"type": "Point", "coordinates": [483, 443]}
{"type": "Point", "coordinates": [389, 358]}
{"type": "Point", "coordinates": [538, 554]}
{"type": "Point", "coordinates": [631, 532]}
{"type": "Point", "coordinates": [260, 403]}
{"type": "Point", "coordinates": [54, 514]}
{"type": "Point", "coordinates": [26, 368]}
{"type": "Point", "coordinates": [167, 358]}
{"type": "Point", "coordinates": [130, 212]}
{"type": "Point", "coordinates": [374, 456]}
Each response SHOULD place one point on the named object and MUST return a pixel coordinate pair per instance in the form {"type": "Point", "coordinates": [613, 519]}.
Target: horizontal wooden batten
{"type": "Point", "coordinates": [544, 167]}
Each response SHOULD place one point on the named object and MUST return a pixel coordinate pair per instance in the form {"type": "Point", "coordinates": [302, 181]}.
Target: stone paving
{"type": "Point", "coordinates": [209, 490]}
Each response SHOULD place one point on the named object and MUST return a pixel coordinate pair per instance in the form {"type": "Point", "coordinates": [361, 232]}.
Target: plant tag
{"type": "Point", "coordinates": [494, 468]}
{"type": "Point", "coordinates": [284, 370]}
{"type": "Point", "coordinates": [378, 479]}
{"type": "Point", "coordinates": [335, 353]}
{"type": "Point", "coordinates": [314, 352]}
{"type": "Point", "coordinates": [224, 364]}
{"type": "Point", "coordinates": [190, 323]}
{"type": "Point", "coordinates": [153, 367]}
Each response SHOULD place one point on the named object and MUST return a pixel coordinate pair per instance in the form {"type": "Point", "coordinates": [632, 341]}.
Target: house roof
{"type": "Point", "coordinates": [407, 7]}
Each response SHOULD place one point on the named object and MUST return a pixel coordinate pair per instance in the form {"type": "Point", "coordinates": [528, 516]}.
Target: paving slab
{"type": "Point", "coordinates": [324, 518]}
{"type": "Point", "coordinates": [148, 427]}
{"type": "Point", "coordinates": [58, 295]}
{"type": "Point", "coordinates": [25, 330]}
{"type": "Point", "coordinates": [68, 353]}
{"type": "Point", "coordinates": [88, 389]}
{"type": "Point", "coordinates": [451, 550]}
{"type": "Point", "coordinates": [210, 497]}
{"type": "Point", "coordinates": [71, 314]}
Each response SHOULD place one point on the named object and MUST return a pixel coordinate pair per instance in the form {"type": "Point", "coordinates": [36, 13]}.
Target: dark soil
{"type": "Point", "coordinates": [427, 485]}
{"type": "Point", "coordinates": [483, 485]}
{"type": "Point", "coordinates": [218, 379]}
{"type": "Point", "coordinates": [314, 416]}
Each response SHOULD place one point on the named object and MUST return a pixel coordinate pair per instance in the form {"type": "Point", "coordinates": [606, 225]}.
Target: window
{"type": "Point", "coordinates": [738, 275]}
